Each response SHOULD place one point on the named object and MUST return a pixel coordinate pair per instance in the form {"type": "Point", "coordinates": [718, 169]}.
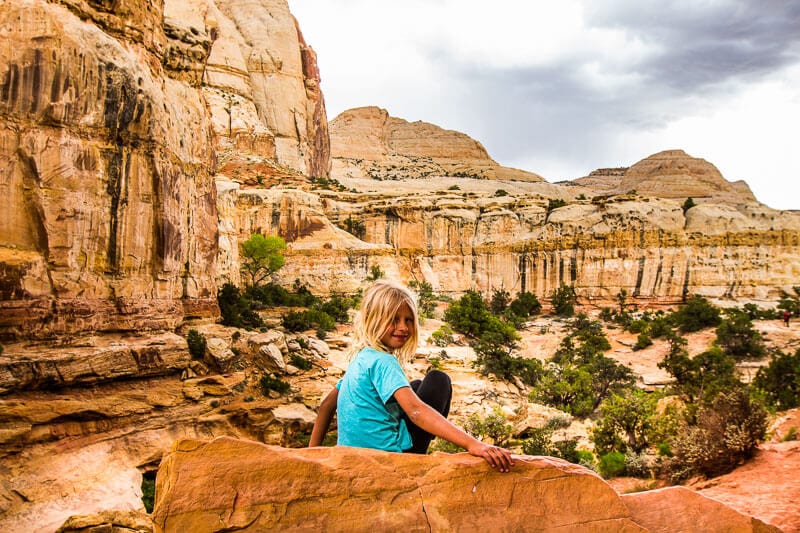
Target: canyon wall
{"type": "Point", "coordinates": [113, 121]}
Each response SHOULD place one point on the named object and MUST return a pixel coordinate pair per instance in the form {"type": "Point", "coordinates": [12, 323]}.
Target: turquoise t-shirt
{"type": "Point", "coordinates": [369, 416]}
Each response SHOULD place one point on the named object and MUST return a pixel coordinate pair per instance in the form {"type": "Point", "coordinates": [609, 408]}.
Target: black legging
{"type": "Point", "coordinates": [435, 390]}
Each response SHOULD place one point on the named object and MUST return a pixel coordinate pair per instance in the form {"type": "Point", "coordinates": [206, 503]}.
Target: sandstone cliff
{"type": "Point", "coordinates": [367, 142]}
{"type": "Point", "coordinates": [669, 174]}
{"type": "Point", "coordinates": [112, 122]}
{"type": "Point", "coordinates": [235, 485]}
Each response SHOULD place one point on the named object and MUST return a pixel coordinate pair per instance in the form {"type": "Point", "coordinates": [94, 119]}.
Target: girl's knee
{"type": "Point", "coordinates": [438, 378]}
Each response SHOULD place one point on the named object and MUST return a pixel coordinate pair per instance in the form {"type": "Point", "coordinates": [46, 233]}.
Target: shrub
{"type": "Point", "coordinates": [500, 192]}
{"type": "Point", "coordinates": [499, 302]}
{"type": "Point", "coordinates": [269, 383]}
{"type": "Point", "coordinates": [625, 423]}
{"type": "Point", "coordinates": [642, 342]}
{"type": "Point", "coordinates": [738, 338]}
{"type": "Point", "coordinates": [454, 188]}
{"type": "Point", "coordinates": [558, 421]}
{"type": "Point", "coordinates": [148, 490]}
{"type": "Point", "coordinates": [779, 381]}
{"type": "Point", "coordinates": [637, 326]}
{"type": "Point", "coordinates": [696, 314]}
{"type": "Point", "coordinates": [296, 321]}
{"type": "Point", "coordinates": [790, 435]}
{"type": "Point", "coordinates": [197, 344]}
{"type": "Point", "coordinates": [494, 426]}
{"type": "Point", "coordinates": [426, 299]}
{"type": "Point", "coordinates": [468, 314]}
{"type": "Point", "coordinates": [237, 310]}
{"type": "Point", "coordinates": [375, 273]}
{"type": "Point", "coordinates": [688, 204]}
{"type": "Point", "coordinates": [355, 227]}
{"type": "Point", "coordinates": [612, 464]}
{"type": "Point", "coordinates": [701, 376]}
{"type": "Point", "coordinates": [538, 442]}
{"type": "Point", "coordinates": [300, 362]}
{"type": "Point", "coordinates": [443, 336]}
{"type": "Point", "coordinates": [525, 304]}
{"type": "Point", "coordinates": [727, 432]}
{"type": "Point", "coordinates": [555, 203]}
{"type": "Point", "coordinates": [563, 300]}
{"type": "Point", "coordinates": [273, 295]}
{"type": "Point", "coordinates": [337, 308]}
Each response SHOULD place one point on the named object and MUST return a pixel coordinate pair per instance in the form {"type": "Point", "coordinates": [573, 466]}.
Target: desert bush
{"type": "Point", "coordinates": [236, 309]}
{"type": "Point", "coordinates": [426, 300]}
{"type": "Point", "coordinates": [197, 344]}
{"type": "Point", "coordinates": [738, 338]}
{"type": "Point", "coordinates": [148, 491]}
{"type": "Point", "coordinates": [524, 305]}
{"type": "Point", "coordinates": [442, 336]}
{"type": "Point", "coordinates": [499, 301]}
{"type": "Point", "coordinates": [269, 383]}
{"type": "Point", "coordinates": [642, 342]}
{"type": "Point", "coordinates": [779, 381]}
{"type": "Point", "coordinates": [727, 432]}
{"type": "Point", "coordinates": [611, 464]}
{"type": "Point", "coordinates": [563, 300]}
{"type": "Point", "coordinates": [698, 313]}
{"type": "Point", "coordinates": [538, 442]}
{"type": "Point", "coordinates": [300, 362]}
{"type": "Point", "coordinates": [625, 422]}
{"type": "Point", "coordinates": [295, 321]}
{"type": "Point", "coordinates": [493, 426]}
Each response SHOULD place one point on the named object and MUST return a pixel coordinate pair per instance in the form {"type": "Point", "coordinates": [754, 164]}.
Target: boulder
{"type": "Point", "coordinates": [109, 521]}
{"type": "Point", "coordinates": [229, 484]}
{"type": "Point", "coordinates": [681, 509]}
{"type": "Point", "coordinates": [219, 355]}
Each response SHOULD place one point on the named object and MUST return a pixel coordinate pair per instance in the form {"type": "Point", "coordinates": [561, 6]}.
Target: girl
{"type": "Point", "coordinates": [378, 408]}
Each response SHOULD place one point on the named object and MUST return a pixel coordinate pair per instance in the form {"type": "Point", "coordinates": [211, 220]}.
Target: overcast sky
{"type": "Point", "coordinates": [562, 87]}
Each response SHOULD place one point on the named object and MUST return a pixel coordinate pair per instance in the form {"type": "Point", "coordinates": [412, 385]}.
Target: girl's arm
{"type": "Point", "coordinates": [324, 416]}
{"type": "Point", "coordinates": [427, 418]}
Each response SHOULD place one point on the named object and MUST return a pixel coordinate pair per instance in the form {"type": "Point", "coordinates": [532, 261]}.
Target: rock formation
{"type": "Point", "coordinates": [367, 142]}
{"type": "Point", "coordinates": [669, 174]}
{"type": "Point", "coordinates": [235, 485]}
{"type": "Point", "coordinates": [107, 152]}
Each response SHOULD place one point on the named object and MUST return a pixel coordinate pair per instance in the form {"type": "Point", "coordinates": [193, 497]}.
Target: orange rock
{"type": "Point", "coordinates": [680, 509]}
{"type": "Point", "coordinates": [228, 484]}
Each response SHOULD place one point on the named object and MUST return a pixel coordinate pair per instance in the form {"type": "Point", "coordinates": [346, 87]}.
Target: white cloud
{"type": "Point", "coordinates": [562, 88]}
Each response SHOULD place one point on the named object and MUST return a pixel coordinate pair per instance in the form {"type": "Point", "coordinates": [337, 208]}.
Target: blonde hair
{"type": "Point", "coordinates": [379, 306]}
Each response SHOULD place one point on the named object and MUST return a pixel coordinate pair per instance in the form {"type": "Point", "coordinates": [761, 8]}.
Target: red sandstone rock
{"type": "Point", "coordinates": [674, 509]}
{"type": "Point", "coordinates": [234, 485]}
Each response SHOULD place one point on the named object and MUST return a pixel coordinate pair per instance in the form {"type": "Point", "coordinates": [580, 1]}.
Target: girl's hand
{"type": "Point", "coordinates": [497, 457]}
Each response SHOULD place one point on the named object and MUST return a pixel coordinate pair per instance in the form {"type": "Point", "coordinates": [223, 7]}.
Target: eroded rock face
{"type": "Point", "coordinates": [240, 485]}
{"type": "Point", "coordinates": [460, 241]}
{"type": "Point", "coordinates": [113, 123]}
{"type": "Point", "coordinates": [367, 142]}
{"type": "Point", "coordinates": [669, 174]}
{"type": "Point", "coordinates": [106, 177]}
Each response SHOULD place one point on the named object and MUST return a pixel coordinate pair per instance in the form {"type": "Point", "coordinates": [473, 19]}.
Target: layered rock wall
{"type": "Point", "coordinates": [647, 246]}
{"type": "Point", "coordinates": [112, 122]}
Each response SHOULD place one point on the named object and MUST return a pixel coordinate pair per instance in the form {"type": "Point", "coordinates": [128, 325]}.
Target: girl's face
{"type": "Point", "coordinates": [400, 329]}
